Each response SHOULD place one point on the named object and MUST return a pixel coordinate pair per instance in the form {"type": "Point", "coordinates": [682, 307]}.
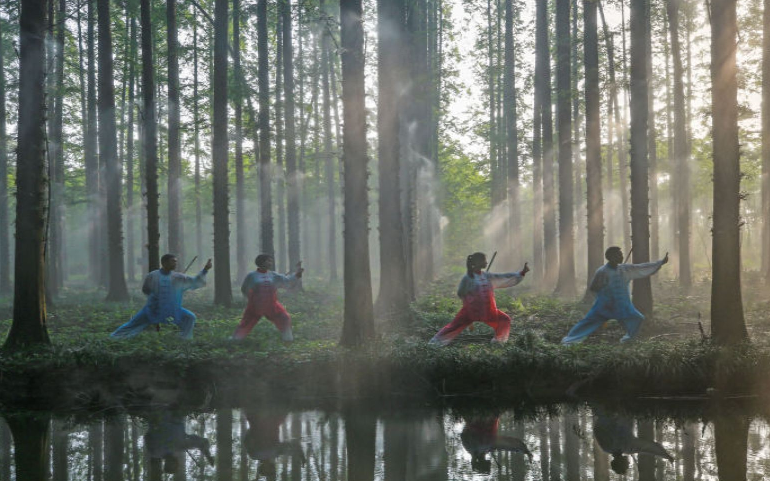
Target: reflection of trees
{"type": "Point", "coordinates": [224, 445]}
{"type": "Point", "coordinates": [360, 430]}
{"type": "Point", "coordinates": [731, 445]}
{"type": "Point", "coordinates": [95, 447]}
{"type": "Point", "coordinates": [689, 437]}
{"type": "Point", "coordinates": [113, 449]}
{"type": "Point", "coordinates": [60, 442]}
{"type": "Point", "coordinates": [30, 441]}
{"type": "Point", "coordinates": [571, 445]}
{"type": "Point", "coordinates": [601, 463]}
{"type": "Point", "coordinates": [5, 450]}
{"type": "Point", "coordinates": [555, 448]}
{"type": "Point", "coordinates": [543, 434]}
{"type": "Point", "coordinates": [646, 432]}
{"type": "Point", "coordinates": [415, 448]}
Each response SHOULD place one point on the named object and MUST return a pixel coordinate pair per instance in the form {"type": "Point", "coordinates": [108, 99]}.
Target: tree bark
{"type": "Point", "coordinates": [358, 325]}
{"type": "Point", "coordinates": [114, 445]}
{"type": "Point", "coordinates": [55, 254]}
{"type": "Point", "coordinates": [29, 308]}
{"type": "Point", "coordinates": [107, 150]}
{"type": "Point", "coordinates": [291, 151]}
{"type": "Point", "coordinates": [640, 217]}
{"type": "Point", "coordinates": [31, 433]}
{"type": "Point", "coordinates": [197, 146]}
{"type": "Point", "coordinates": [175, 231]}
{"type": "Point", "coordinates": [566, 283]}
{"type": "Point", "coordinates": [150, 139]}
{"type": "Point", "coordinates": [509, 94]}
{"type": "Point", "coordinates": [730, 431]}
{"type": "Point", "coordinates": [652, 143]}
{"type": "Point", "coordinates": [595, 210]}
{"type": "Point", "coordinates": [5, 226]}
{"type": "Point", "coordinates": [240, 214]}
{"type": "Point", "coordinates": [394, 296]}
{"type": "Point", "coordinates": [328, 154]}
{"type": "Point", "coordinates": [265, 196]}
{"type": "Point", "coordinates": [90, 152]}
{"type": "Point", "coordinates": [727, 322]}
{"type": "Point", "coordinates": [223, 294]}
{"type": "Point", "coordinates": [224, 434]}
{"type": "Point", "coordinates": [543, 54]}
{"type": "Point", "coordinates": [681, 150]}
{"type": "Point", "coordinates": [131, 251]}
{"type": "Point", "coordinates": [765, 142]}
{"type": "Point", "coordinates": [281, 250]}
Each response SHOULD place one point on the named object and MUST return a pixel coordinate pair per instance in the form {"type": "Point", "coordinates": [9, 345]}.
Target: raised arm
{"type": "Point", "coordinates": [198, 281]}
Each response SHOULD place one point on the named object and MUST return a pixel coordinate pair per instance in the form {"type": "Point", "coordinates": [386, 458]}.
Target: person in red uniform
{"type": "Point", "coordinates": [260, 288]}
{"type": "Point", "coordinates": [481, 436]}
{"type": "Point", "coordinates": [477, 292]}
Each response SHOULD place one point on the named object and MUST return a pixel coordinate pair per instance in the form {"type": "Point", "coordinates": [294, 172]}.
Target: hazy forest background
{"type": "Point", "coordinates": [382, 142]}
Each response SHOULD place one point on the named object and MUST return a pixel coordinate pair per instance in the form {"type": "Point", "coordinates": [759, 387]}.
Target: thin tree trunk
{"type": "Point", "coordinates": [394, 295]}
{"type": "Point", "coordinates": [493, 169]}
{"type": "Point", "coordinates": [623, 132]}
{"type": "Point", "coordinates": [197, 146]}
{"type": "Point", "coordinates": [55, 255]}
{"type": "Point", "coordinates": [358, 325]}
{"type": "Point", "coordinates": [566, 284]}
{"type": "Point", "coordinates": [595, 210]}
{"type": "Point", "coordinates": [514, 222]}
{"type": "Point", "coordinates": [281, 251]}
{"type": "Point", "coordinates": [29, 309]}
{"type": "Point", "coordinates": [223, 295]}
{"type": "Point", "coordinates": [549, 205]}
{"type": "Point", "coordinates": [328, 154]}
{"type": "Point", "coordinates": [113, 449]}
{"type": "Point", "coordinates": [765, 142]}
{"type": "Point", "coordinates": [150, 139]}
{"type": "Point", "coordinates": [90, 153]}
{"type": "Point", "coordinates": [265, 196]}
{"type": "Point", "coordinates": [131, 257]}
{"type": "Point", "coordinates": [640, 220]}
{"type": "Point", "coordinates": [537, 172]}
{"type": "Point", "coordinates": [681, 151]}
{"type": "Point", "coordinates": [240, 213]}
{"type": "Point", "coordinates": [5, 249]}
{"type": "Point", "coordinates": [652, 143]}
{"type": "Point", "coordinates": [224, 435]}
{"type": "Point", "coordinates": [291, 152]}
{"type": "Point", "coordinates": [175, 230]}
{"type": "Point", "coordinates": [727, 322]}
{"type": "Point", "coordinates": [107, 148]}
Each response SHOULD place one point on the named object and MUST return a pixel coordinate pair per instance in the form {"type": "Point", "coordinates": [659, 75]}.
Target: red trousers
{"type": "Point", "coordinates": [497, 320]}
{"type": "Point", "coordinates": [274, 313]}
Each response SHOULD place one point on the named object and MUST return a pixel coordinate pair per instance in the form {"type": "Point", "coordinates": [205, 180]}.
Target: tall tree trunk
{"type": "Point", "coordinates": [394, 295]}
{"type": "Point", "coordinates": [595, 208]}
{"type": "Point", "coordinates": [5, 450]}
{"type": "Point", "coordinates": [113, 447]}
{"type": "Point", "coordinates": [281, 250]}
{"type": "Point", "coordinates": [197, 146]}
{"type": "Point", "coordinates": [360, 428]}
{"type": "Point", "coordinates": [493, 169]}
{"type": "Point", "coordinates": [623, 138]}
{"type": "Point", "coordinates": [554, 444]}
{"type": "Point", "coordinates": [640, 217]}
{"type": "Point", "coordinates": [224, 434]}
{"type": "Point", "coordinates": [730, 431]}
{"type": "Point", "coordinates": [326, 65]}
{"type": "Point", "coordinates": [223, 294]}
{"type": "Point", "coordinates": [29, 310]}
{"type": "Point", "coordinates": [514, 222]}
{"type": "Point", "coordinates": [652, 143]}
{"type": "Point", "coordinates": [537, 171]}
{"type": "Point", "coordinates": [265, 196]}
{"type": "Point", "coordinates": [59, 448]}
{"type": "Point", "coordinates": [727, 322]}
{"type": "Point", "coordinates": [240, 203]}
{"type": "Point", "coordinates": [131, 257]}
{"type": "Point", "coordinates": [358, 326]}
{"type": "Point", "coordinates": [566, 284]}
{"type": "Point", "coordinates": [108, 153]}
{"type": "Point", "coordinates": [543, 54]}
{"type": "Point", "coordinates": [90, 153]}
{"type": "Point", "coordinates": [291, 151]}
{"type": "Point", "coordinates": [765, 142]}
{"type": "Point", "coordinates": [31, 433]}
{"type": "Point", "coordinates": [55, 253]}
{"type": "Point", "coordinates": [150, 139]}
{"type": "Point", "coordinates": [175, 232]}
{"type": "Point", "coordinates": [681, 151]}
{"type": "Point", "coordinates": [5, 225]}
{"type": "Point", "coordinates": [571, 446]}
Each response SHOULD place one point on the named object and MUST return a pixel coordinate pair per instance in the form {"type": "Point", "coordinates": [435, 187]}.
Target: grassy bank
{"type": "Point", "coordinates": [85, 367]}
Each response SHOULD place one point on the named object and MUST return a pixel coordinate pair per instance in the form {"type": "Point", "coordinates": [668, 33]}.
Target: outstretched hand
{"type": "Point", "coordinates": [526, 268]}
{"type": "Point", "coordinates": [207, 266]}
{"type": "Point", "coordinates": [665, 259]}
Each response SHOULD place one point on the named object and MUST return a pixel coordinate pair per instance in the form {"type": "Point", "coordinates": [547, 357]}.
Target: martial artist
{"type": "Point", "coordinates": [613, 300]}
{"type": "Point", "coordinates": [164, 288]}
{"type": "Point", "coordinates": [481, 436]}
{"type": "Point", "coordinates": [615, 435]}
{"type": "Point", "coordinates": [477, 292]}
{"type": "Point", "coordinates": [260, 288]}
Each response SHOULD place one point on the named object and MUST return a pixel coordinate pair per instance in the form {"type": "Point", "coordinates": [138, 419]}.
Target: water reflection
{"type": "Point", "coordinates": [267, 443]}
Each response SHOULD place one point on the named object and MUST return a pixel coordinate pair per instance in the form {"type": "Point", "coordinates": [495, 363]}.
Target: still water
{"type": "Point", "coordinates": [575, 442]}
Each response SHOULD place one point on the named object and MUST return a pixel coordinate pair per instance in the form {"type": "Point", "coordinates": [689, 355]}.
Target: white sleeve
{"type": "Point", "coordinates": [640, 271]}
{"type": "Point", "coordinates": [500, 281]}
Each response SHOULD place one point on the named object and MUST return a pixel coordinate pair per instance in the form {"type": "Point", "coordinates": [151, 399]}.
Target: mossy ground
{"type": "Point", "coordinates": [672, 357]}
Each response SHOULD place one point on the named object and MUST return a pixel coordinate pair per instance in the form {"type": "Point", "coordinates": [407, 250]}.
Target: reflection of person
{"type": "Point", "coordinates": [615, 435]}
{"type": "Point", "coordinates": [167, 439]}
{"type": "Point", "coordinates": [613, 301]}
{"type": "Point", "coordinates": [263, 442]}
{"type": "Point", "coordinates": [480, 436]}
{"type": "Point", "coordinates": [164, 289]}
{"type": "Point", "coordinates": [477, 292]}
{"type": "Point", "coordinates": [260, 288]}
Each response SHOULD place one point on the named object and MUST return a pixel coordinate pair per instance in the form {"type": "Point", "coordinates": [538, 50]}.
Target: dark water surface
{"type": "Point", "coordinates": [562, 442]}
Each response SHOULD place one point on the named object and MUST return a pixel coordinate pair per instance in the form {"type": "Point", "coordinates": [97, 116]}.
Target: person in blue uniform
{"type": "Point", "coordinates": [164, 289]}
{"type": "Point", "coordinates": [613, 300]}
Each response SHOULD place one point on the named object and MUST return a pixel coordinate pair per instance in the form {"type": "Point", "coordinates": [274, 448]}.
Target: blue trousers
{"type": "Point", "coordinates": [594, 321]}
{"type": "Point", "coordinates": [141, 321]}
